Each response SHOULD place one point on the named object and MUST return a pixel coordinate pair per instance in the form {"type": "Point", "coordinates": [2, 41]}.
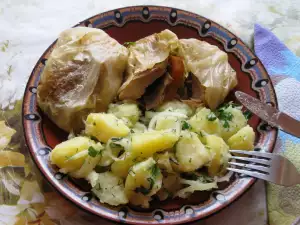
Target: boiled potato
{"type": "Point", "coordinates": [108, 187]}
{"type": "Point", "coordinates": [121, 168]}
{"type": "Point", "coordinates": [150, 142]}
{"type": "Point", "coordinates": [176, 106]}
{"type": "Point", "coordinates": [71, 154]}
{"type": "Point", "coordinates": [105, 126]}
{"type": "Point", "coordinates": [231, 126]}
{"type": "Point", "coordinates": [205, 121]}
{"type": "Point", "coordinates": [166, 122]}
{"type": "Point", "coordinates": [219, 154]}
{"type": "Point", "coordinates": [143, 178]}
{"type": "Point", "coordinates": [243, 139]}
{"type": "Point", "coordinates": [190, 153]}
{"type": "Point", "coordinates": [128, 112]}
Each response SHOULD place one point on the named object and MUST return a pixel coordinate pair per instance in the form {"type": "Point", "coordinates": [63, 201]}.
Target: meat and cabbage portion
{"type": "Point", "coordinates": [82, 75]}
{"type": "Point", "coordinates": [210, 66]}
{"type": "Point", "coordinates": [147, 61]}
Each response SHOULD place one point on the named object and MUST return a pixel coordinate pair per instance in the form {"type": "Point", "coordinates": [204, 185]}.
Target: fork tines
{"type": "Point", "coordinates": [262, 169]}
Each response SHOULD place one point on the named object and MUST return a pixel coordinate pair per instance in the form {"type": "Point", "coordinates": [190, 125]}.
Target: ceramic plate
{"type": "Point", "coordinates": [131, 24]}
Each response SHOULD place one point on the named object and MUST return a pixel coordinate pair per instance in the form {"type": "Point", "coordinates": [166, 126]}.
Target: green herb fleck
{"type": "Point", "coordinates": [211, 117]}
{"type": "Point", "coordinates": [185, 125]}
{"type": "Point", "coordinates": [190, 160]}
{"type": "Point", "coordinates": [204, 178]}
{"type": "Point", "coordinates": [247, 114]}
{"type": "Point", "coordinates": [93, 152]}
{"type": "Point", "coordinates": [154, 170]}
{"type": "Point", "coordinates": [226, 124]}
{"type": "Point", "coordinates": [128, 43]}
{"type": "Point", "coordinates": [225, 116]}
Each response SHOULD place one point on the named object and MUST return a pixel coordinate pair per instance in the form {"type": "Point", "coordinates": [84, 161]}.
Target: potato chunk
{"type": "Point", "coordinates": [143, 178]}
{"type": "Point", "coordinates": [105, 126]}
{"type": "Point", "coordinates": [205, 121]}
{"type": "Point", "coordinates": [233, 120]}
{"type": "Point", "coordinates": [243, 139]}
{"type": "Point", "coordinates": [121, 168]}
{"type": "Point", "coordinates": [71, 154]}
{"type": "Point", "coordinates": [108, 187]}
{"type": "Point", "coordinates": [190, 153]}
{"type": "Point", "coordinates": [147, 143]}
{"type": "Point", "coordinates": [219, 154]}
{"type": "Point", "coordinates": [165, 123]}
{"type": "Point", "coordinates": [128, 112]}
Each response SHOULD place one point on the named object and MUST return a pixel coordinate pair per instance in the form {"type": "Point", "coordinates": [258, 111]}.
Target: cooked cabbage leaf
{"type": "Point", "coordinates": [148, 59]}
{"type": "Point", "coordinates": [82, 75]}
{"type": "Point", "coordinates": [210, 65]}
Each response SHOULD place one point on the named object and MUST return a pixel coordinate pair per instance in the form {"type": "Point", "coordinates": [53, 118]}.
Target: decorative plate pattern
{"type": "Point", "coordinates": [130, 24]}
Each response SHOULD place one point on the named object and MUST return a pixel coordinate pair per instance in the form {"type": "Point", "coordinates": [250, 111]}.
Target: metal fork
{"type": "Point", "coordinates": [266, 166]}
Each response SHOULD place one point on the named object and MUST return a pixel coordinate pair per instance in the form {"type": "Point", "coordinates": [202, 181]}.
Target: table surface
{"type": "Point", "coordinates": [28, 27]}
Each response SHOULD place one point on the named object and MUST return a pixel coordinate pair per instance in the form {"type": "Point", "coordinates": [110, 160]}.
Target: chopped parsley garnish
{"type": "Point", "coordinates": [224, 115]}
{"type": "Point", "coordinates": [226, 124]}
{"type": "Point", "coordinates": [247, 114]}
{"type": "Point", "coordinates": [93, 152]}
{"type": "Point", "coordinates": [129, 43]}
{"type": "Point", "coordinates": [155, 170]}
{"type": "Point", "coordinates": [185, 125]}
{"type": "Point", "coordinates": [211, 117]}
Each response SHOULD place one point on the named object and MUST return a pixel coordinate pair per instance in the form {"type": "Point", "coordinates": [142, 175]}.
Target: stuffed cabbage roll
{"type": "Point", "coordinates": [82, 75]}
{"type": "Point", "coordinates": [210, 66]}
{"type": "Point", "coordinates": [148, 60]}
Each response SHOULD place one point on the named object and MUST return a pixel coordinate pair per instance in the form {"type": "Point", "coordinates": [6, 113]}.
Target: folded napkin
{"type": "Point", "coordinates": [284, 68]}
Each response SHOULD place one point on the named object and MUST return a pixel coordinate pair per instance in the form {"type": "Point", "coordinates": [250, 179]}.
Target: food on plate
{"type": "Point", "coordinates": [230, 126]}
{"type": "Point", "coordinates": [243, 139]}
{"type": "Point", "coordinates": [210, 66]}
{"type": "Point", "coordinates": [82, 75]}
{"type": "Point", "coordinates": [190, 153]}
{"type": "Point", "coordinates": [219, 154]}
{"type": "Point", "coordinates": [96, 123]}
{"type": "Point", "coordinates": [71, 155]}
{"type": "Point", "coordinates": [165, 132]}
{"type": "Point", "coordinates": [108, 188]}
{"type": "Point", "coordinates": [143, 181]}
{"type": "Point", "coordinates": [147, 61]}
{"type": "Point", "coordinates": [171, 154]}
